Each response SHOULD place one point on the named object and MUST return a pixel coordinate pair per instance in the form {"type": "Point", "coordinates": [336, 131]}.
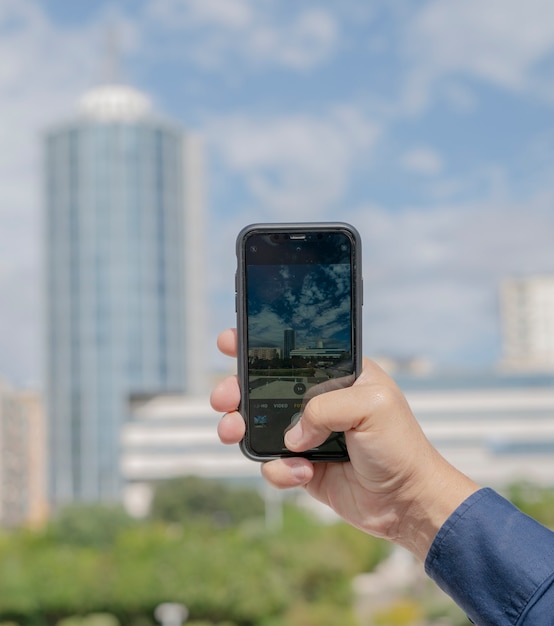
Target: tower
{"type": "Point", "coordinates": [289, 342]}
{"type": "Point", "coordinates": [125, 305]}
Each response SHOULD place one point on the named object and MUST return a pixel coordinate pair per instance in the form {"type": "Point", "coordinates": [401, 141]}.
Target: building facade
{"type": "Point", "coordinates": [497, 428]}
{"type": "Point", "coordinates": [527, 312]}
{"type": "Point", "coordinates": [265, 354]}
{"type": "Point", "coordinates": [170, 436]}
{"type": "Point", "coordinates": [22, 458]}
{"type": "Point", "coordinates": [125, 304]}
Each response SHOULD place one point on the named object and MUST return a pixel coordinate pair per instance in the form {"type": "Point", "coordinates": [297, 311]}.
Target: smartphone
{"type": "Point", "coordinates": [299, 300]}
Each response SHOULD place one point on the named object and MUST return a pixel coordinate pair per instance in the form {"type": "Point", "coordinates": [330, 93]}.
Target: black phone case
{"type": "Point", "coordinates": [242, 322]}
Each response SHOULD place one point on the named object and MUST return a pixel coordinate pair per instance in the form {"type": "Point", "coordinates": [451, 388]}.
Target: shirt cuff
{"type": "Point", "coordinates": [493, 560]}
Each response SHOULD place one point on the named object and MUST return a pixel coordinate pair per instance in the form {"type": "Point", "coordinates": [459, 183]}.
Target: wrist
{"type": "Point", "coordinates": [439, 494]}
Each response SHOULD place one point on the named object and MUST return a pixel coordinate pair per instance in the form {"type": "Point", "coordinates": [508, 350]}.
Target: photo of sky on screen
{"type": "Point", "coordinates": [299, 323]}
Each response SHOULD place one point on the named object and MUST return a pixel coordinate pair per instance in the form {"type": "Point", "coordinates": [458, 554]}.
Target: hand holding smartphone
{"type": "Point", "coordinates": [299, 299]}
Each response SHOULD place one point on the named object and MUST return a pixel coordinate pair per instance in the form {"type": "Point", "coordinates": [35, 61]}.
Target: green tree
{"type": "Point", "coordinates": [403, 612]}
{"type": "Point", "coordinates": [239, 574]}
{"type": "Point", "coordinates": [192, 498]}
{"type": "Point", "coordinates": [535, 500]}
{"type": "Point", "coordinates": [90, 524]}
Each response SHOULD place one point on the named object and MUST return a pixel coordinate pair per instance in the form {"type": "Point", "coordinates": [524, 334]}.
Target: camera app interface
{"type": "Point", "coordinates": [299, 330]}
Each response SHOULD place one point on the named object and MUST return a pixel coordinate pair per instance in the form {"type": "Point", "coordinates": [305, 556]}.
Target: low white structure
{"type": "Point", "coordinates": [496, 435]}
{"type": "Point", "coordinates": [496, 431]}
{"type": "Point", "coordinates": [170, 436]}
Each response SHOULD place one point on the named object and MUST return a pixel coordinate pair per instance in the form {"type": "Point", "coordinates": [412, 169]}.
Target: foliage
{"type": "Point", "coordinates": [400, 613]}
{"type": "Point", "coordinates": [91, 561]}
{"type": "Point", "coordinates": [92, 525]}
{"type": "Point", "coordinates": [93, 619]}
{"type": "Point", "coordinates": [191, 498]}
{"type": "Point", "coordinates": [439, 608]}
{"type": "Point", "coordinates": [535, 500]}
{"type": "Point", "coordinates": [320, 614]}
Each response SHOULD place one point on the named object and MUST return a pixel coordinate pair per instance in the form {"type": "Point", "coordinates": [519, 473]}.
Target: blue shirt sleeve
{"type": "Point", "coordinates": [495, 562]}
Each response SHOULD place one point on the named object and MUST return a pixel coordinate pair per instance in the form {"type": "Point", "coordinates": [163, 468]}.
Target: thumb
{"type": "Point", "coordinates": [324, 414]}
{"type": "Point", "coordinates": [344, 409]}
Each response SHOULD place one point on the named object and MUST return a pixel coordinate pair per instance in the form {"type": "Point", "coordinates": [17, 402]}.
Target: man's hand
{"type": "Point", "coordinates": [396, 485]}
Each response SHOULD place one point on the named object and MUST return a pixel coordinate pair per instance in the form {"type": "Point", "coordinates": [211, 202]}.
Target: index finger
{"type": "Point", "coordinates": [225, 395]}
{"type": "Point", "coordinates": [227, 342]}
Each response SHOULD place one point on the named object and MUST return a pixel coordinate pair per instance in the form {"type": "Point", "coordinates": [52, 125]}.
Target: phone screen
{"type": "Point", "coordinates": [300, 331]}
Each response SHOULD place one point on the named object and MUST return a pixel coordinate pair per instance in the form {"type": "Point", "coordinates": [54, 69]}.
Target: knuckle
{"type": "Point", "coordinates": [384, 396]}
{"type": "Point", "coordinates": [314, 411]}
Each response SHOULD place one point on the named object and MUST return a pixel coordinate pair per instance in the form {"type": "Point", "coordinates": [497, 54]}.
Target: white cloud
{"type": "Point", "coordinates": [459, 96]}
{"type": "Point", "coordinates": [232, 14]}
{"type": "Point", "coordinates": [297, 166]}
{"type": "Point", "coordinates": [308, 40]}
{"type": "Point", "coordinates": [500, 41]}
{"type": "Point", "coordinates": [431, 276]}
{"type": "Point", "coordinates": [422, 160]}
{"type": "Point", "coordinates": [218, 33]}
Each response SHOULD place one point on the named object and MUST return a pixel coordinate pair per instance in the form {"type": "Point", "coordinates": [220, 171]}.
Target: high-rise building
{"type": "Point", "coordinates": [289, 342]}
{"type": "Point", "coordinates": [527, 311]}
{"type": "Point", "coordinates": [125, 305]}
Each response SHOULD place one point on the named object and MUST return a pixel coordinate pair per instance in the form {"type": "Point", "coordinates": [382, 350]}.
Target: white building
{"type": "Point", "coordinates": [496, 435]}
{"type": "Point", "coordinates": [497, 430]}
{"type": "Point", "coordinates": [170, 436]}
{"type": "Point", "coordinates": [527, 313]}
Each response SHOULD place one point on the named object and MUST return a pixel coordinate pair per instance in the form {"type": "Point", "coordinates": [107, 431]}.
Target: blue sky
{"type": "Point", "coordinates": [427, 124]}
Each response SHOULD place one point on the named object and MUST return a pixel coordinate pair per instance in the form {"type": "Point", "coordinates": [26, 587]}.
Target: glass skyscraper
{"type": "Point", "coordinates": [125, 304]}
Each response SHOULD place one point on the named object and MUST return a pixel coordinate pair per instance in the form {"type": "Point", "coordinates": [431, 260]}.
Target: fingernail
{"type": "Point", "coordinates": [294, 435]}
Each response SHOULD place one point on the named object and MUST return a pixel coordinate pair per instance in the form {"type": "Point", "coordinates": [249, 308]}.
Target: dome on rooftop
{"type": "Point", "coordinates": [115, 102]}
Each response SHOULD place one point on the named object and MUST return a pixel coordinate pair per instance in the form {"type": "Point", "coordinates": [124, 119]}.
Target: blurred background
{"type": "Point", "coordinates": [138, 139]}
